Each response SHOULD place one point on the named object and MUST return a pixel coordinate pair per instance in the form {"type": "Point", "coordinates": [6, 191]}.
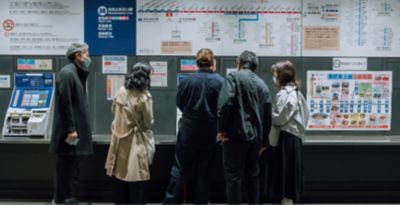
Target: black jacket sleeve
{"type": "Point", "coordinates": [180, 95]}
{"type": "Point", "coordinates": [225, 102]}
{"type": "Point", "coordinates": [65, 92]}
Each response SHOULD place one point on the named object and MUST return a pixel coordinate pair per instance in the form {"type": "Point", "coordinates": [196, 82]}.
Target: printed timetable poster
{"type": "Point", "coordinates": [350, 101]}
{"type": "Point", "coordinates": [110, 27]}
{"type": "Point", "coordinates": [40, 27]}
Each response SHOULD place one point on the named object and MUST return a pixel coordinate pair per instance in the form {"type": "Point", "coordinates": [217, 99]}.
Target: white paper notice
{"type": "Point", "coordinates": [115, 64]}
{"type": "Point", "coordinates": [5, 81]}
{"type": "Point", "coordinates": [159, 77]}
{"type": "Point", "coordinates": [349, 64]}
{"type": "Point", "coordinates": [40, 27]}
{"type": "Point", "coordinates": [114, 83]}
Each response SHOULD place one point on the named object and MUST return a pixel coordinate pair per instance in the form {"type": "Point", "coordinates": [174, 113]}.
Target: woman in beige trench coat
{"type": "Point", "coordinates": [128, 157]}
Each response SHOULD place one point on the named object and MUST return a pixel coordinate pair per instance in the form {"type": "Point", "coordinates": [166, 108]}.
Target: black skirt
{"type": "Point", "coordinates": [285, 168]}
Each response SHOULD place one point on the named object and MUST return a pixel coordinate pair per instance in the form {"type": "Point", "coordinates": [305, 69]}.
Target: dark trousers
{"type": "Point", "coordinates": [190, 158]}
{"type": "Point", "coordinates": [129, 192]}
{"type": "Point", "coordinates": [241, 158]}
{"type": "Point", "coordinates": [66, 179]}
{"type": "Point", "coordinates": [263, 175]}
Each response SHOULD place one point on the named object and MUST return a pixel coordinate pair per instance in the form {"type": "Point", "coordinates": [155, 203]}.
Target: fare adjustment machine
{"type": "Point", "coordinates": [29, 114]}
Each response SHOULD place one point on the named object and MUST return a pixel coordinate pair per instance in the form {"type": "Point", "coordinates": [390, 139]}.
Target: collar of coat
{"type": "Point", "coordinates": [123, 93]}
{"type": "Point", "coordinates": [79, 70]}
{"type": "Point", "coordinates": [290, 87]}
{"type": "Point", "coordinates": [205, 70]}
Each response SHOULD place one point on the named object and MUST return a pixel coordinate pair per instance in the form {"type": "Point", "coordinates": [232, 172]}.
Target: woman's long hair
{"type": "Point", "coordinates": [138, 77]}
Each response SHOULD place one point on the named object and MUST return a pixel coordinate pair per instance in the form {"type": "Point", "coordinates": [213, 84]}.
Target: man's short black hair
{"type": "Point", "coordinates": [248, 60]}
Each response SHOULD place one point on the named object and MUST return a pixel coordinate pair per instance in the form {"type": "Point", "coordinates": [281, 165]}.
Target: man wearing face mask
{"type": "Point", "coordinates": [72, 135]}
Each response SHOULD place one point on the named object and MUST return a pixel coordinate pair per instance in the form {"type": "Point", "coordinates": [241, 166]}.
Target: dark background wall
{"type": "Point", "coordinates": [164, 98]}
{"type": "Point", "coordinates": [333, 173]}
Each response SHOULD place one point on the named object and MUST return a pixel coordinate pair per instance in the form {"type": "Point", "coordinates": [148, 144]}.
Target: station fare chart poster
{"type": "Point", "coordinates": [182, 27]}
{"type": "Point", "coordinates": [349, 101]}
{"type": "Point", "coordinates": [351, 28]}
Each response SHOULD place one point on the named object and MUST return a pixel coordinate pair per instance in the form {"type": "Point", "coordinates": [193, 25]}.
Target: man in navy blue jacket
{"type": "Point", "coordinates": [197, 98]}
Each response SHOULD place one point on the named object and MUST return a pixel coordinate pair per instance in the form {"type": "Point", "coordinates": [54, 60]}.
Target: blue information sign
{"type": "Point", "coordinates": [110, 27]}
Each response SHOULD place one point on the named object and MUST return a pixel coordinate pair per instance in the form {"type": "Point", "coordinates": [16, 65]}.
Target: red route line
{"type": "Point", "coordinates": [237, 12]}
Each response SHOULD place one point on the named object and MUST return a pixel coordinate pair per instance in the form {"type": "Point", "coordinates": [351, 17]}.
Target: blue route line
{"type": "Point", "coordinates": [243, 19]}
{"type": "Point", "coordinates": [253, 19]}
{"type": "Point", "coordinates": [385, 37]}
{"type": "Point", "coordinates": [247, 19]}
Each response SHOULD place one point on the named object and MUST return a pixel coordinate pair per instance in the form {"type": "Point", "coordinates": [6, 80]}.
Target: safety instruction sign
{"type": "Point", "coordinates": [40, 27]}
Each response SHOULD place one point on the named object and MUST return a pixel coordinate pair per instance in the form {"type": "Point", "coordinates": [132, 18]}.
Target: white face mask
{"type": "Point", "coordinates": [86, 63]}
{"type": "Point", "coordinates": [275, 80]}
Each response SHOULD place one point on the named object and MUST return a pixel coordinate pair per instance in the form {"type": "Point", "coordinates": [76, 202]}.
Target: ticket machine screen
{"type": "Point", "coordinates": [34, 98]}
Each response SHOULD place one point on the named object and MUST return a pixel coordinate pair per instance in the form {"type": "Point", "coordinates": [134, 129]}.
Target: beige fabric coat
{"type": "Point", "coordinates": [127, 157]}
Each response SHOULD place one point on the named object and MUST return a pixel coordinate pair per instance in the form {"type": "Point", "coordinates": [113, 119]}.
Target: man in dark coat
{"type": "Point", "coordinates": [244, 122]}
{"type": "Point", "coordinates": [72, 135]}
{"type": "Point", "coordinates": [196, 144]}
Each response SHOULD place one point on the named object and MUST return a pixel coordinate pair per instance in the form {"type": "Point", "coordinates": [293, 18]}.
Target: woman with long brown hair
{"type": "Point", "coordinates": [289, 120]}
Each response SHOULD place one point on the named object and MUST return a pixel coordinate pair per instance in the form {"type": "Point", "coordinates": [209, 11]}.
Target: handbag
{"type": "Point", "coordinates": [147, 138]}
{"type": "Point", "coordinates": [273, 136]}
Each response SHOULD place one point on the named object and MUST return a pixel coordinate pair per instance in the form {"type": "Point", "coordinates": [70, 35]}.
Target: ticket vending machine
{"type": "Point", "coordinates": [30, 112]}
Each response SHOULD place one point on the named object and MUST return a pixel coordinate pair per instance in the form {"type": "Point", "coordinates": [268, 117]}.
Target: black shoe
{"type": "Point", "coordinates": [72, 201]}
{"type": "Point", "coordinates": [57, 202]}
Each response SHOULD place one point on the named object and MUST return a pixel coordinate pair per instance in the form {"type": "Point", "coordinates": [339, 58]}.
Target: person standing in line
{"type": "Point", "coordinates": [244, 122]}
{"type": "Point", "coordinates": [289, 119]}
{"type": "Point", "coordinates": [72, 135]}
{"type": "Point", "coordinates": [196, 144]}
{"type": "Point", "coordinates": [128, 157]}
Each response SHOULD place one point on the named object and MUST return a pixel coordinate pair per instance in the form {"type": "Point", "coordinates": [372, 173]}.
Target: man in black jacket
{"type": "Point", "coordinates": [72, 135]}
{"type": "Point", "coordinates": [197, 98]}
{"type": "Point", "coordinates": [244, 122]}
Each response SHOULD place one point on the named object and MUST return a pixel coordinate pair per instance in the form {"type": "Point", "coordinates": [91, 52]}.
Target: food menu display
{"type": "Point", "coordinates": [349, 101]}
